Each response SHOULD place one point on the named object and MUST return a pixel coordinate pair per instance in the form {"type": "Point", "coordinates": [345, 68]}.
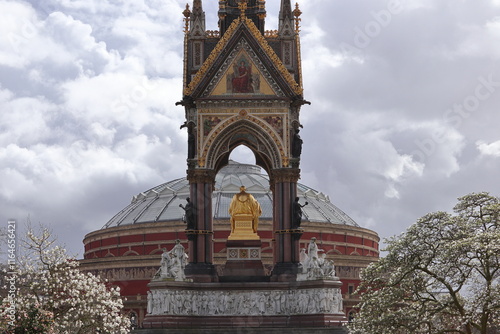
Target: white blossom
{"type": "Point", "coordinates": [54, 296]}
{"type": "Point", "coordinates": [441, 276]}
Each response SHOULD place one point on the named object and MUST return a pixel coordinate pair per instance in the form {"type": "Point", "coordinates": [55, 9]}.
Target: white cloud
{"type": "Point", "coordinates": [492, 149]}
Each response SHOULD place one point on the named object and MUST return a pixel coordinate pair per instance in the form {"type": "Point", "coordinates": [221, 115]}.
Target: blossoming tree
{"type": "Point", "coordinates": [441, 276]}
{"type": "Point", "coordinates": [54, 296]}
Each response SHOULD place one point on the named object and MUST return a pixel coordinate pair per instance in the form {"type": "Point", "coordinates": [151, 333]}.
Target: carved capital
{"type": "Point", "coordinates": [206, 176]}
{"type": "Point", "coordinates": [289, 175]}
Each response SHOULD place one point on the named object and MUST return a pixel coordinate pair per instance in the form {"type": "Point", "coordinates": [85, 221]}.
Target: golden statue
{"type": "Point", "coordinates": [245, 212]}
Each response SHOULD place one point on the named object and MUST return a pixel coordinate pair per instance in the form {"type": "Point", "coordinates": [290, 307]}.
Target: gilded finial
{"type": "Point", "coordinates": [187, 14]}
{"type": "Point", "coordinates": [297, 13]}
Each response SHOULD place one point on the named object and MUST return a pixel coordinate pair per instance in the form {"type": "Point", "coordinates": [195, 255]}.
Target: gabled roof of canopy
{"type": "Point", "coordinates": [242, 28]}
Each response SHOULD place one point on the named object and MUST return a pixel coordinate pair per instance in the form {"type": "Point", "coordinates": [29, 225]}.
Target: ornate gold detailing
{"type": "Point", "coordinates": [297, 89]}
{"type": "Point", "coordinates": [262, 5]}
{"type": "Point", "coordinates": [243, 7]}
{"type": "Point", "coordinates": [296, 12]}
{"type": "Point", "coordinates": [262, 10]}
{"type": "Point", "coordinates": [211, 58]}
{"type": "Point", "coordinates": [212, 33]}
{"type": "Point", "coordinates": [217, 104]}
{"type": "Point", "coordinates": [215, 134]}
{"type": "Point", "coordinates": [245, 212]}
{"type": "Point", "coordinates": [243, 113]}
{"type": "Point", "coordinates": [187, 14]}
{"type": "Point", "coordinates": [299, 59]}
{"type": "Point", "coordinates": [271, 34]}
{"type": "Point", "coordinates": [286, 160]}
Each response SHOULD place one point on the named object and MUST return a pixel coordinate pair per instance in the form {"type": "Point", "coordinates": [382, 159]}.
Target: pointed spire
{"type": "Point", "coordinates": [197, 7]}
{"type": "Point", "coordinates": [197, 19]}
{"type": "Point", "coordinates": [285, 10]}
{"type": "Point", "coordinates": [285, 26]}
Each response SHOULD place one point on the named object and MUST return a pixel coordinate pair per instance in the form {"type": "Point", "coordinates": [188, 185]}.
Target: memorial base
{"type": "Point", "coordinates": [244, 262]}
{"type": "Point", "coordinates": [201, 272]}
{"type": "Point", "coordinates": [198, 306]}
{"type": "Point", "coordinates": [285, 272]}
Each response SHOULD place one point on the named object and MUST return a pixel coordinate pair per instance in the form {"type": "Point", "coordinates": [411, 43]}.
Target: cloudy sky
{"type": "Point", "coordinates": [404, 116]}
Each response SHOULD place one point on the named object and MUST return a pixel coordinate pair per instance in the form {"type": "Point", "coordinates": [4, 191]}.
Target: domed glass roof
{"type": "Point", "coordinates": [161, 203]}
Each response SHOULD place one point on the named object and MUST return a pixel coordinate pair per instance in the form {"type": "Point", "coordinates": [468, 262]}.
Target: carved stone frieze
{"type": "Point", "coordinates": [125, 274]}
{"type": "Point", "coordinates": [244, 302]}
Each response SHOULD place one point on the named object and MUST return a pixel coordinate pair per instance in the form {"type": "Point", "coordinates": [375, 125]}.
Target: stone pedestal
{"type": "Point", "coordinates": [244, 263]}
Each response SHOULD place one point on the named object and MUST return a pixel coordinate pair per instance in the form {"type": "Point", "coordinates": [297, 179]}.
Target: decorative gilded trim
{"type": "Point", "coordinates": [297, 89]}
{"type": "Point", "coordinates": [224, 40]}
{"type": "Point", "coordinates": [271, 34]}
{"type": "Point", "coordinates": [187, 14]}
{"type": "Point", "coordinates": [299, 59]}
{"type": "Point", "coordinates": [212, 33]}
{"type": "Point", "coordinates": [221, 44]}
{"type": "Point", "coordinates": [214, 135]}
{"type": "Point", "coordinates": [243, 47]}
{"type": "Point", "coordinates": [297, 13]}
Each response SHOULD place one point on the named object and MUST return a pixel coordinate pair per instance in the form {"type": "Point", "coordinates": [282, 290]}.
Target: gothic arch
{"type": "Point", "coordinates": [250, 131]}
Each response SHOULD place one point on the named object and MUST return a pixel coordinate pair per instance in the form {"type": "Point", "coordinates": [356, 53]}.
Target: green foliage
{"type": "Point", "coordinates": [441, 276]}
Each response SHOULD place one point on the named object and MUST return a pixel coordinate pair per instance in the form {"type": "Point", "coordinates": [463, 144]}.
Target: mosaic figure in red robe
{"type": "Point", "coordinates": [242, 78]}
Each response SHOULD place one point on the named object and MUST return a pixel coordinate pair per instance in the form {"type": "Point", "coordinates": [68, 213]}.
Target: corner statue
{"type": "Point", "coordinates": [245, 212]}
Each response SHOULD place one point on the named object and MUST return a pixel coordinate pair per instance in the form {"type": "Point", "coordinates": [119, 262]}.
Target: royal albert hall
{"type": "Point", "coordinates": [128, 248]}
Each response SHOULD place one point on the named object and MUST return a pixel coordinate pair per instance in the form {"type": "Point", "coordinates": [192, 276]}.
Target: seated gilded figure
{"type": "Point", "coordinates": [245, 212]}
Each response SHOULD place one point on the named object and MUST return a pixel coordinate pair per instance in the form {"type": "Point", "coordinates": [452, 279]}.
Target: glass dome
{"type": "Point", "coordinates": [161, 203]}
